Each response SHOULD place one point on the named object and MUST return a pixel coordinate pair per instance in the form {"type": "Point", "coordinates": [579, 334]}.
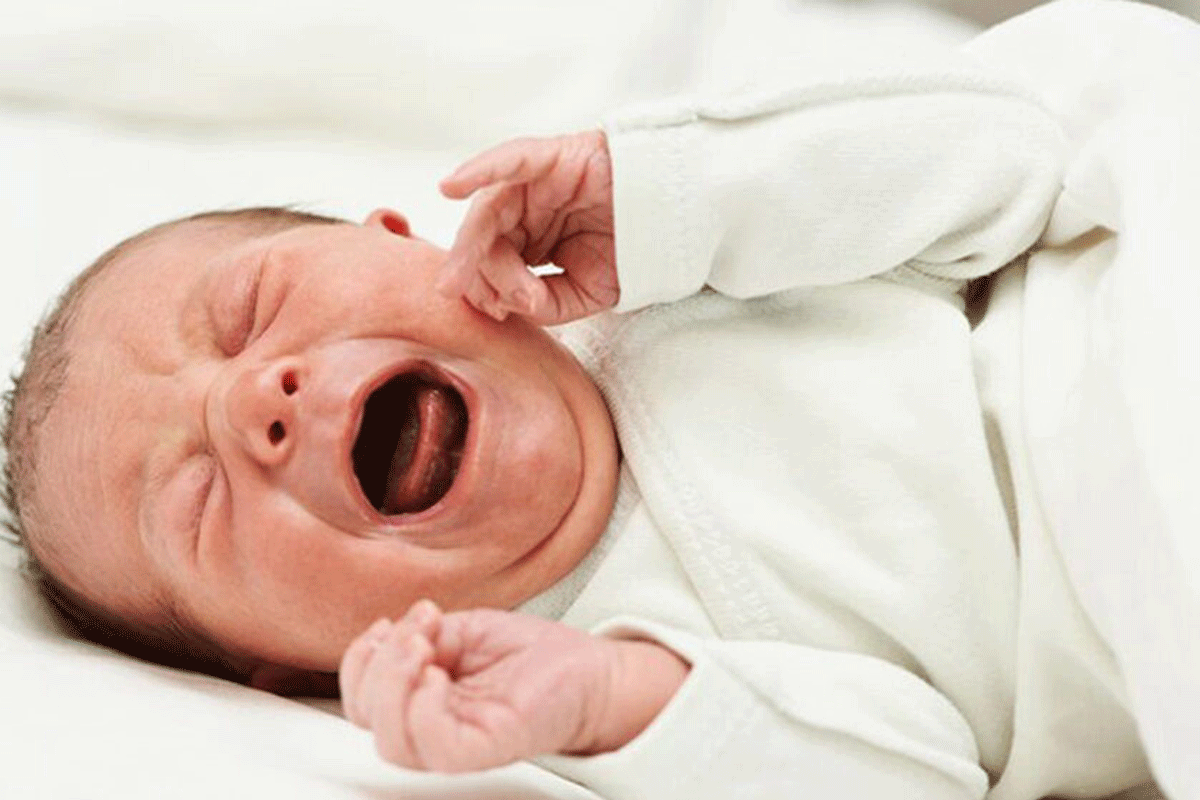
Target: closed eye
{"type": "Point", "coordinates": [236, 309]}
{"type": "Point", "coordinates": [244, 315]}
{"type": "Point", "coordinates": [200, 481]}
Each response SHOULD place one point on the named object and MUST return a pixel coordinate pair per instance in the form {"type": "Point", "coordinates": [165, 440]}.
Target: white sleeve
{"type": "Point", "coordinates": [768, 720]}
{"type": "Point", "coordinates": [942, 171]}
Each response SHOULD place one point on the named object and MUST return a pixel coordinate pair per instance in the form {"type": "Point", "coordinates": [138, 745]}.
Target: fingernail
{"type": "Point", "coordinates": [423, 611]}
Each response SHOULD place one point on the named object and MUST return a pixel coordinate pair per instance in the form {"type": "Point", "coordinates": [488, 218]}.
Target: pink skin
{"type": "Point", "coordinates": [537, 201]}
{"type": "Point", "coordinates": [268, 546]}
{"type": "Point", "coordinates": [476, 689]}
{"type": "Point", "coordinates": [229, 493]}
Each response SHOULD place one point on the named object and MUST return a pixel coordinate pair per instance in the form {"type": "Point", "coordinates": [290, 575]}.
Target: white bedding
{"type": "Point", "coordinates": [117, 115]}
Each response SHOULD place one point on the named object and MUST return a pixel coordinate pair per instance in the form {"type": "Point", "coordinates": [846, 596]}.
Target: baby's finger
{"type": "Point", "coordinates": [482, 296]}
{"type": "Point", "coordinates": [517, 289]}
{"type": "Point", "coordinates": [491, 215]}
{"type": "Point", "coordinates": [461, 644]}
{"type": "Point", "coordinates": [515, 161]}
{"type": "Point", "coordinates": [567, 300]}
{"type": "Point", "coordinates": [389, 682]}
{"type": "Point", "coordinates": [425, 618]}
{"type": "Point", "coordinates": [442, 740]}
{"type": "Point", "coordinates": [354, 665]}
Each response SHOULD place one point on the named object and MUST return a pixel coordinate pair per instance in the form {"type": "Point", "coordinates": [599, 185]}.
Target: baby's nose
{"type": "Point", "coordinates": [261, 407]}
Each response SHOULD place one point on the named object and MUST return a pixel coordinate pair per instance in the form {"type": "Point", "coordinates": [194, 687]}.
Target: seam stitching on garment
{"type": "Point", "coordinates": [728, 593]}
{"type": "Point", "coordinates": [678, 189]}
{"type": "Point", "coordinates": [833, 92]}
{"type": "Point", "coordinates": [912, 266]}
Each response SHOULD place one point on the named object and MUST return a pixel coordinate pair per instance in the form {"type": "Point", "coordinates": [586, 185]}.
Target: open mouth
{"type": "Point", "coordinates": [410, 443]}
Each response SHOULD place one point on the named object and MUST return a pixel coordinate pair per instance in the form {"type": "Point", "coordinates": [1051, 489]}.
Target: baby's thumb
{"type": "Point", "coordinates": [457, 185]}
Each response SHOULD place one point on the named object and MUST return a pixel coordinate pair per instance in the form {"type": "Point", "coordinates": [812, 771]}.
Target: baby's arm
{"type": "Point", "coordinates": [470, 690]}
{"type": "Point", "coordinates": [762, 720]}
{"type": "Point", "coordinates": [938, 167]}
{"type": "Point", "coordinates": [477, 689]}
{"type": "Point", "coordinates": [942, 171]}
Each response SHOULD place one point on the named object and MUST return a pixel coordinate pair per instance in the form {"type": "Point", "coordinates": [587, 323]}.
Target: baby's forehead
{"type": "Point", "coordinates": [151, 280]}
{"type": "Point", "coordinates": [214, 231]}
{"type": "Point", "coordinates": [189, 244]}
{"type": "Point", "coordinates": [155, 270]}
{"type": "Point", "coordinates": [131, 314]}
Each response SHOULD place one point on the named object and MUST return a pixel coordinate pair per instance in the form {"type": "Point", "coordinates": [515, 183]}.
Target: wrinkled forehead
{"type": "Point", "coordinates": [161, 259]}
{"type": "Point", "coordinates": [135, 309]}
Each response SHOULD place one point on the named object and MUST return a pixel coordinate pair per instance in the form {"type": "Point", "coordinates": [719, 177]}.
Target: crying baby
{"type": "Point", "coordinates": [290, 432]}
{"type": "Point", "coordinates": [310, 454]}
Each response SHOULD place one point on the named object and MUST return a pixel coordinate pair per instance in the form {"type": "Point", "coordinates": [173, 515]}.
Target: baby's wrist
{"type": "Point", "coordinates": [642, 678]}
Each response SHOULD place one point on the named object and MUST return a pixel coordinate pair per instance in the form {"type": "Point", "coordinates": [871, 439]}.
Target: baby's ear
{"type": "Point", "coordinates": [389, 220]}
{"type": "Point", "coordinates": [291, 682]}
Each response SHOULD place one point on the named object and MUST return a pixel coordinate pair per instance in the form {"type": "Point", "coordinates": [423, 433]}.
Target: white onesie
{"type": "Point", "coordinates": [826, 502]}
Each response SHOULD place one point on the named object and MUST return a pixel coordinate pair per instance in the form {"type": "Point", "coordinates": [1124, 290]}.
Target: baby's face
{"type": "Point", "coordinates": [284, 437]}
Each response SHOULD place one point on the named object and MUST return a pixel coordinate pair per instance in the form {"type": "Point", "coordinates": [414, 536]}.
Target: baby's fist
{"type": "Point", "coordinates": [475, 689]}
{"type": "Point", "coordinates": [537, 201]}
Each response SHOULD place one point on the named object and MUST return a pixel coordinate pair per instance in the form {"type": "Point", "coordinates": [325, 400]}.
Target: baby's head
{"type": "Point", "coordinates": [248, 434]}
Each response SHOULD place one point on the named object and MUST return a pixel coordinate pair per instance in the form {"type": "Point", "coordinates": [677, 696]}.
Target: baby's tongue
{"type": "Point", "coordinates": [423, 466]}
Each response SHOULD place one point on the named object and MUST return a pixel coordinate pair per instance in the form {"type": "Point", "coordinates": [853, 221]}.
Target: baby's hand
{"type": "Point", "coordinates": [539, 201]}
{"type": "Point", "coordinates": [479, 689]}
{"type": "Point", "coordinates": [476, 689]}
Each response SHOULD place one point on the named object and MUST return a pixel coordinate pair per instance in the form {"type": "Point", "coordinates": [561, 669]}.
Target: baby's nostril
{"type": "Point", "coordinates": [276, 432]}
{"type": "Point", "coordinates": [290, 384]}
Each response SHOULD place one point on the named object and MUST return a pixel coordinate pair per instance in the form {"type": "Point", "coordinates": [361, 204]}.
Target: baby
{"type": "Point", "coordinates": [292, 446]}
